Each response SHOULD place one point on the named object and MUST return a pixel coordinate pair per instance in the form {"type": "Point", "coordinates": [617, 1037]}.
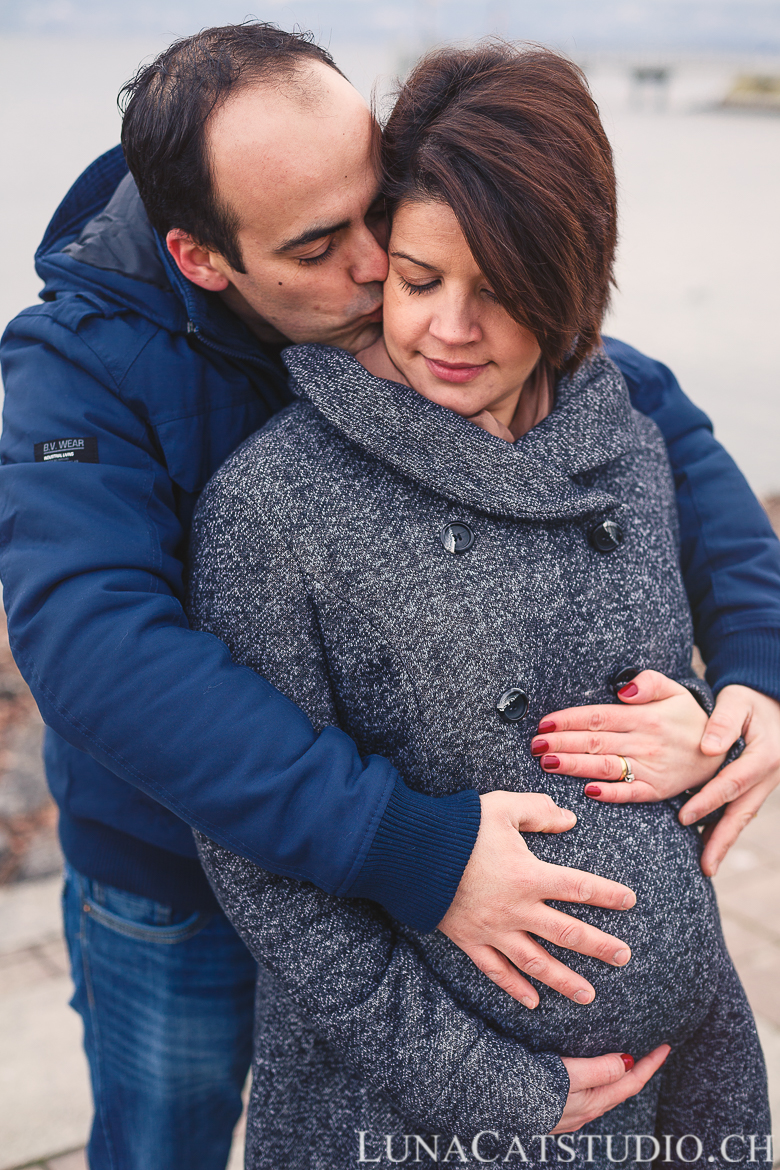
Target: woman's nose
{"type": "Point", "coordinates": [455, 324]}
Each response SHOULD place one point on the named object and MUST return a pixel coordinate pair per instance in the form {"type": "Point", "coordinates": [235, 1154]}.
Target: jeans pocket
{"type": "Point", "coordinates": [146, 932]}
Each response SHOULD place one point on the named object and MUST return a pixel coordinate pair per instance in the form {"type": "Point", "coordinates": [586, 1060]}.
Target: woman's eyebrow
{"type": "Point", "coordinates": [314, 233]}
{"type": "Point", "coordinates": [411, 259]}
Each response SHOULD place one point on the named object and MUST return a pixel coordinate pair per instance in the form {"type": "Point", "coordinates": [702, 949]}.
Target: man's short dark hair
{"type": "Point", "coordinates": [166, 107]}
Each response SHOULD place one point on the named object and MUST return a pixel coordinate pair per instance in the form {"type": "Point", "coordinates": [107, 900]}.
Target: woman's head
{"type": "Point", "coordinates": [499, 179]}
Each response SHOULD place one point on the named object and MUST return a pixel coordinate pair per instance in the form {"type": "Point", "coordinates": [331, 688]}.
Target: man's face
{"type": "Point", "coordinates": [296, 168]}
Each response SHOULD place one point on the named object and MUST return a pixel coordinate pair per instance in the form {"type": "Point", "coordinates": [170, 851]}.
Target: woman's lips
{"type": "Point", "coordinates": [454, 371]}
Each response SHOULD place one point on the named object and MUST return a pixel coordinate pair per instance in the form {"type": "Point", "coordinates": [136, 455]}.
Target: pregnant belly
{"type": "Point", "coordinates": [664, 992]}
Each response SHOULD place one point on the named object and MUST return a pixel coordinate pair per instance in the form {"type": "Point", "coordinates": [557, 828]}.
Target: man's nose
{"type": "Point", "coordinates": [369, 260]}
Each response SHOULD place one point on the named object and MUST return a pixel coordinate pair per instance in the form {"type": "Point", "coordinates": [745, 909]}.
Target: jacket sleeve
{"type": "Point", "coordinates": [358, 979]}
{"type": "Point", "coordinates": [90, 554]}
{"type": "Point", "coordinates": [729, 554]}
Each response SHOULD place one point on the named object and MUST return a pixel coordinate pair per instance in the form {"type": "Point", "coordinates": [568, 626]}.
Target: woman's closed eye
{"type": "Point", "coordinates": [429, 286]}
{"type": "Point", "coordinates": [417, 289]}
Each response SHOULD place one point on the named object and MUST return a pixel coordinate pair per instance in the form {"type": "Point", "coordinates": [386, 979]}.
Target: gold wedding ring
{"type": "Point", "coordinates": [626, 775]}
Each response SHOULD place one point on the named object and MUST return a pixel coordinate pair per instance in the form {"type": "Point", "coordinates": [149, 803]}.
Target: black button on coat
{"type": "Point", "coordinates": [607, 536]}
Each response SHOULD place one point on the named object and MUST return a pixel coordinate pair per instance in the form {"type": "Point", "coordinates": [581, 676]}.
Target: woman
{"type": "Point", "coordinates": [432, 548]}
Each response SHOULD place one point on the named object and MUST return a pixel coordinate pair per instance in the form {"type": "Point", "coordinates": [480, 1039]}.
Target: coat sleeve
{"type": "Point", "coordinates": [91, 562]}
{"type": "Point", "coordinates": [346, 965]}
{"type": "Point", "coordinates": [729, 554]}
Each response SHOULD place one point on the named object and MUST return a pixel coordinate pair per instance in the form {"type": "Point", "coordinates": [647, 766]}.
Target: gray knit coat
{"type": "Point", "coordinates": [322, 555]}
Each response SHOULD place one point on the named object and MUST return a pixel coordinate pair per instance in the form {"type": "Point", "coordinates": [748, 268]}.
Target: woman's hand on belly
{"type": "Point", "coordinates": [657, 729]}
{"type": "Point", "coordinates": [502, 900]}
{"type": "Point", "coordinates": [599, 1083]}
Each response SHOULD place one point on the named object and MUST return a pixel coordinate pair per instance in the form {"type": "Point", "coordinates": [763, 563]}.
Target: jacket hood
{"type": "Point", "coordinates": [100, 244]}
{"type": "Point", "coordinates": [541, 475]}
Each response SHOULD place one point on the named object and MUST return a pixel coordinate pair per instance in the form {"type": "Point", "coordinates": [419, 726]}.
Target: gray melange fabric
{"type": "Point", "coordinates": [318, 559]}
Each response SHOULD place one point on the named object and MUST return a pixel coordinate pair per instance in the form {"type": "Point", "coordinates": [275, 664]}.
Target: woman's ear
{"type": "Point", "coordinates": [197, 263]}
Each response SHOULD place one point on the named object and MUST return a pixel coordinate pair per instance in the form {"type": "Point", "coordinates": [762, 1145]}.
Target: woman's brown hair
{"type": "Point", "coordinates": [510, 138]}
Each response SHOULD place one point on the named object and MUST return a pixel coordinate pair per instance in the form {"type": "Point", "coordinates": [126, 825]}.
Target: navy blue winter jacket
{"type": "Point", "coordinates": [125, 390]}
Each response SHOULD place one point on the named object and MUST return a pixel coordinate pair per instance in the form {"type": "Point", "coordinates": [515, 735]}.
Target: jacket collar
{"type": "Point", "coordinates": [117, 252]}
{"type": "Point", "coordinates": [538, 476]}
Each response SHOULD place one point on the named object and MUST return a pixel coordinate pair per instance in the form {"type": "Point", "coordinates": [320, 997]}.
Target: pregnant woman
{"type": "Point", "coordinates": [436, 545]}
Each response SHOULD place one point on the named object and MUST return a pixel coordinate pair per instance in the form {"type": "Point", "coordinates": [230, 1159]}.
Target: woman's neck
{"type": "Point", "coordinates": [535, 402]}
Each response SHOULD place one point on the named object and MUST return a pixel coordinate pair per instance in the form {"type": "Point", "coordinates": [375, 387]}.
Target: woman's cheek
{"type": "Point", "coordinates": [404, 325]}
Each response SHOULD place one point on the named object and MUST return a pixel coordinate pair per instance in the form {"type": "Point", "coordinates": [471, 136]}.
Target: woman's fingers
{"type": "Point", "coordinates": [592, 1100]}
{"type": "Point", "coordinates": [592, 767]}
{"type": "Point", "coordinates": [608, 768]}
{"type": "Point", "coordinates": [629, 1085]}
{"type": "Point", "coordinates": [636, 793]}
{"type": "Point", "coordinates": [647, 687]}
{"type": "Point", "coordinates": [591, 743]}
{"type": "Point", "coordinates": [596, 1072]}
{"type": "Point", "coordinates": [605, 768]}
{"type": "Point", "coordinates": [603, 717]}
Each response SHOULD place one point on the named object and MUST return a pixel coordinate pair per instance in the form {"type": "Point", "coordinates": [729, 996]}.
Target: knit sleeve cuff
{"type": "Point", "coordinates": [701, 692]}
{"type": "Point", "coordinates": [418, 855]}
{"type": "Point", "coordinates": [749, 658]}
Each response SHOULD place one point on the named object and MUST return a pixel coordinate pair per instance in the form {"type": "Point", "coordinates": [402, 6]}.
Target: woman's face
{"type": "Point", "coordinates": [444, 328]}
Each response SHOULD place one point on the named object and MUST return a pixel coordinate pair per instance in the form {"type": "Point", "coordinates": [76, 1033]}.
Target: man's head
{"type": "Point", "coordinates": [256, 159]}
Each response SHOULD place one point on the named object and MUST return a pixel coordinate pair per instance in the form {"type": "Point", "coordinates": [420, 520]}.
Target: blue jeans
{"type": "Point", "coordinates": [167, 1004]}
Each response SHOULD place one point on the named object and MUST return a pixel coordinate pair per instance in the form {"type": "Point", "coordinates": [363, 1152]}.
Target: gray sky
{"type": "Point", "coordinates": [735, 26]}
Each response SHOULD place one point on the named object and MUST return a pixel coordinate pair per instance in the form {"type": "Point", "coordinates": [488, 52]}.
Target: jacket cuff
{"type": "Point", "coordinates": [749, 658]}
{"type": "Point", "coordinates": [418, 855]}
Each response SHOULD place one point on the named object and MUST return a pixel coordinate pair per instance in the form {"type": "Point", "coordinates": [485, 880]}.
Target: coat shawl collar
{"type": "Point", "coordinates": [534, 478]}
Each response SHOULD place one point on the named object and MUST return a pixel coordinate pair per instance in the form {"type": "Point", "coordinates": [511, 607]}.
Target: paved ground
{"type": "Point", "coordinates": [44, 1092]}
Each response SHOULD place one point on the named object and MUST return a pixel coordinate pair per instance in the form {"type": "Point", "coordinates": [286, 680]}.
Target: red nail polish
{"type": "Point", "coordinates": [546, 725]}
{"type": "Point", "coordinates": [592, 790]}
{"type": "Point", "coordinates": [550, 762]}
{"type": "Point", "coordinates": [628, 691]}
{"type": "Point", "coordinates": [539, 747]}
{"type": "Point", "coordinates": [628, 1061]}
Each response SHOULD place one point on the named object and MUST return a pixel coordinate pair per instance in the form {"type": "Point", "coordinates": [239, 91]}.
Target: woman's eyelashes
{"type": "Point", "coordinates": [430, 285]}
{"type": "Point", "coordinates": [407, 286]}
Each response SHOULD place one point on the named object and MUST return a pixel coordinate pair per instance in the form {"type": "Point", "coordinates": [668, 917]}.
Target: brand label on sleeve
{"type": "Point", "coordinates": [67, 451]}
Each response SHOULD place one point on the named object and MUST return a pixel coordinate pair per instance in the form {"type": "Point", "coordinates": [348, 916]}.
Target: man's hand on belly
{"type": "Point", "coordinates": [744, 784]}
{"type": "Point", "coordinates": [502, 900]}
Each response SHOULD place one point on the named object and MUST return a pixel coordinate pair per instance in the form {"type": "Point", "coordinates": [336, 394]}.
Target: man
{"type": "Point", "coordinates": [154, 354]}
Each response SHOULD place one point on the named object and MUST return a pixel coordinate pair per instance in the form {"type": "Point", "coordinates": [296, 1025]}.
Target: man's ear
{"type": "Point", "coordinates": [198, 264]}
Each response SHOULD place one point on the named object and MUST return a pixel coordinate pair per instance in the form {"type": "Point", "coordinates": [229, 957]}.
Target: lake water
{"type": "Point", "coordinates": [699, 261]}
